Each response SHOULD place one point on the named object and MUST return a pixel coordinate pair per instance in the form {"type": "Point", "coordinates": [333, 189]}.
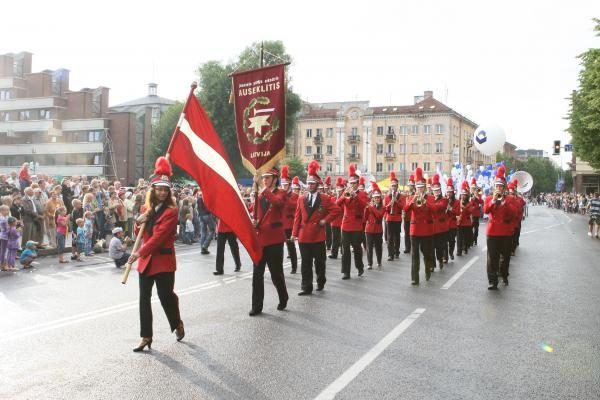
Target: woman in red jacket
{"type": "Point", "coordinates": [452, 211]}
{"type": "Point", "coordinates": [465, 226]}
{"type": "Point", "coordinates": [373, 226]}
{"type": "Point", "coordinates": [157, 254]}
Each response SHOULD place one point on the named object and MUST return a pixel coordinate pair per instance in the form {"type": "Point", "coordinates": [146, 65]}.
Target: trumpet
{"type": "Point", "coordinates": [349, 193]}
{"type": "Point", "coordinates": [498, 196]}
{"type": "Point", "coordinates": [419, 201]}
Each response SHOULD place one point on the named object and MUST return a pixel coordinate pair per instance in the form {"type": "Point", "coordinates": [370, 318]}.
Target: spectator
{"type": "Point", "coordinates": [40, 205]}
{"type": "Point", "coordinates": [61, 222]}
{"type": "Point", "coordinates": [4, 228]}
{"type": "Point", "coordinates": [81, 239]}
{"type": "Point", "coordinates": [116, 249]}
{"type": "Point", "coordinates": [76, 215]}
{"type": "Point", "coordinates": [12, 246]}
{"type": "Point", "coordinates": [52, 206]}
{"type": "Point", "coordinates": [32, 221]}
{"type": "Point", "coordinates": [188, 234]}
{"type": "Point", "coordinates": [88, 227]}
{"type": "Point", "coordinates": [24, 177]}
{"type": "Point", "coordinates": [207, 224]}
{"type": "Point", "coordinates": [129, 204]}
{"type": "Point", "coordinates": [28, 255]}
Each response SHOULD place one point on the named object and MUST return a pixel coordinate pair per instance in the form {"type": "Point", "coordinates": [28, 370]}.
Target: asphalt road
{"type": "Point", "coordinates": [66, 332]}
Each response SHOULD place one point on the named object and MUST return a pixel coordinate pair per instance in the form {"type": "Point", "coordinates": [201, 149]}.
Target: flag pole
{"type": "Point", "coordinates": [138, 239]}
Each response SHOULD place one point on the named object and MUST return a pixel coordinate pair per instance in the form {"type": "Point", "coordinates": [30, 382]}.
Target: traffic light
{"type": "Point", "coordinates": [556, 147]}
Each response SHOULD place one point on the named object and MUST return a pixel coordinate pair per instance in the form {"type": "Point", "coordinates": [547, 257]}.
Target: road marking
{"type": "Point", "coordinates": [459, 273]}
{"type": "Point", "coordinates": [340, 383]}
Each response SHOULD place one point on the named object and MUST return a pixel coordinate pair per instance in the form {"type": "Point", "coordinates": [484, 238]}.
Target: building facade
{"type": "Point", "coordinates": [427, 134]}
{"type": "Point", "coordinates": [585, 178]}
{"type": "Point", "coordinates": [523, 155]}
{"type": "Point", "coordinates": [58, 131]}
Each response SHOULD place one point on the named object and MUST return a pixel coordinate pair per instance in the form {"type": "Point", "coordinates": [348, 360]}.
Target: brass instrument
{"type": "Point", "coordinates": [419, 201]}
{"type": "Point", "coordinates": [498, 196]}
{"type": "Point", "coordinates": [349, 193]}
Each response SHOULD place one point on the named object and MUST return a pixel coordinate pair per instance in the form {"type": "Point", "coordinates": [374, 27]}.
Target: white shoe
{"type": "Point", "coordinates": [590, 234]}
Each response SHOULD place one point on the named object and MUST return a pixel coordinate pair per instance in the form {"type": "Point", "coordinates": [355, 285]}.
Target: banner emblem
{"type": "Point", "coordinates": [259, 118]}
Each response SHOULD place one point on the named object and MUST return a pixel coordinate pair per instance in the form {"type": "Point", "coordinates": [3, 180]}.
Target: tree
{"type": "Point", "coordinates": [584, 114]}
{"type": "Point", "coordinates": [297, 168]}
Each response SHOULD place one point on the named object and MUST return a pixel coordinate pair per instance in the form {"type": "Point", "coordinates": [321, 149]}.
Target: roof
{"type": "Point", "coordinates": [148, 100]}
{"type": "Point", "coordinates": [428, 105]}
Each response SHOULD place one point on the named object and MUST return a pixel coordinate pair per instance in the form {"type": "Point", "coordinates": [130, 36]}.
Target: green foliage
{"type": "Point", "coordinates": [584, 114]}
{"type": "Point", "coordinates": [297, 168]}
{"type": "Point", "coordinates": [542, 170]}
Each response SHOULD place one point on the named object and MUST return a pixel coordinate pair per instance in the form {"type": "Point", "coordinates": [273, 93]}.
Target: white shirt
{"type": "Point", "coordinates": [189, 226]}
{"type": "Point", "coordinates": [311, 199]}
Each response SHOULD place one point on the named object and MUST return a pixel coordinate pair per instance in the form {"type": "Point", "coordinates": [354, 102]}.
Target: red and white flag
{"type": "Point", "coordinates": [197, 149]}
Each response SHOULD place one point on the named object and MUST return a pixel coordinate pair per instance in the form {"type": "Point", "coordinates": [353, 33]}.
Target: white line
{"type": "Point", "coordinates": [340, 383]}
{"type": "Point", "coordinates": [459, 273]}
{"type": "Point", "coordinates": [484, 249]}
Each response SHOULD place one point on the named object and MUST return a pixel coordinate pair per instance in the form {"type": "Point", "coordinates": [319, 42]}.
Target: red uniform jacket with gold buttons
{"type": "Point", "coordinates": [289, 210]}
{"type": "Point", "coordinates": [269, 217]}
{"type": "Point", "coordinates": [453, 213]}
{"type": "Point", "coordinates": [501, 216]}
{"type": "Point", "coordinates": [354, 208]}
{"type": "Point", "coordinates": [306, 221]}
{"type": "Point", "coordinates": [421, 218]}
{"type": "Point", "coordinates": [337, 221]}
{"type": "Point", "coordinates": [464, 215]}
{"type": "Point", "coordinates": [477, 203]}
{"type": "Point", "coordinates": [157, 253]}
{"type": "Point", "coordinates": [394, 209]}
{"type": "Point", "coordinates": [374, 219]}
{"type": "Point", "coordinates": [440, 218]}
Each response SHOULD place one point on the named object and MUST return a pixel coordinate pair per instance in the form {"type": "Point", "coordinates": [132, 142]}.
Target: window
{"type": "Point", "coordinates": [390, 167]}
{"type": "Point", "coordinates": [95, 136]}
{"type": "Point", "coordinates": [329, 132]}
{"type": "Point", "coordinates": [414, 166]}
{"type": "Point", "coordinates": [23, 115]}
{"type": "Point", "coordinates": [415, 148]}
{"type": "Point", "coordinates": [390, 148]}
{"type": "Point", "coordinates": [426, 166]}
{"type": "Point", "coordinates": [44, 114]}
{"type": "Point", "coordinates": [98, 159]}
{"type": "Point", "coordinates": [319, 149]}
{"type": "Point", "coordinates": [439, 147]}
{"type": "Point", "coordinates": [439, 128]}
{"type": "Point", "coordinates": [319, 132]}
{"type": "Point", "coordinates": [354, 131]}
{"type": "Point", "coordinates": [308, 150]}
{"type": "Point", "coordinates": [390, 130]}
{"type": "Point", "coordinates": [379, 166]}
{"type": "Point", "coordinates": [379, 148]}
{"type": "Point", "coordinates": [427, 148]}
{"type": "Point", "coordinates": [380, 130]}
{"type": "Point", "coordinates": [402, 148]}
{"type": "Point", "coordinates": [309, 133]}
{"type": "Point", "coordinates": [401, 166]}
{"type": "Point", "coordinates": [329, 167]}
{"type": "Point", "coordinates": [415, 129]}
{"type": "Point", "coordinates": [329, 149]}
{"type": "Point", "coordinates": [426, 128]}
{"type": "Point", "coordinates": [155, 117]}
{"type": "Point", "coordinates": [4, 116]}
{"type": "Point", "coordinates": [354, 149]}
{"type": "Point", "coordinates": [403, 129]}
{"type": "Point", "coordinates": [438, 166]}
{"type": "Point", "coordinates": [5, 94]}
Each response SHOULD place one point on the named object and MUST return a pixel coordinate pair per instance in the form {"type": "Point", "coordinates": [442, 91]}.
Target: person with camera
{"type": "Point", "coordinates": [117, 246]}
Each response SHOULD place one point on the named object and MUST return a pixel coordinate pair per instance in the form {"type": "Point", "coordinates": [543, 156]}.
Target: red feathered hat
{"type": "Point", "coordinates": [312, 177]}
{"type": "Point", "coordinates": [162, 173]}
{"type": "Point", "coordinates": [500, 178]}
{"type": "Point", "coordinates": [429, 181]}
{"type": "Point", "coordinates": [285, 178]}
{"type": "Point", "coordinates": [513, 184]}
{"type": "Point", "coordinates": [473, 182]}
{"type": "Point", "coordinates": [464, 188]}
{"type": "Point", "coordinates": [419, 179]}
{"type": "Point", "coordinates": [435, 182]}
{"type": "Point", "coordinates": [271, 172]}
{"type": "Point", "coordinates": [296, 183]}
{"type": "Point", "coordinates": [393, 178]}
{"type": "Point", "coordinates": [375, 191]}
{"type": "Point", "coordinates": [339, 182]}
{"type": "Point", "coordinates": [352, 176]}
{"type": "Point", "coordinates": [449, 185]}
{"type": "Point", "coordinates": [361, 181]}
{"type": "Point", "coordinates": [328, 181]}
{"type": "Point", "coordinates": [411, 180]}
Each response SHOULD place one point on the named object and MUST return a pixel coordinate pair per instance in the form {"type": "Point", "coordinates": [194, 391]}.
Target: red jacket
{"type": "Point", "coordinates": [477, 203]}
{"type": "Point", "coordinates": [453, 213]}
{"type": "Point", "coordinates": [157, 253]}
{"type": "Point", "coordinates": [464, 215]}
{"type": "Point", "coordinates": [501, 216]}
{"type": "Point", "coordinates": [270, 221]}
{"type": "Point", "coordinates": [440, 218]}
{"type": "Point", "coordinates": [337, 221]}
{"type": "Point", "coordinates": [354, 209]}
{"type": "Point", "coordinates": [373, 217]}
{"type": "Point", "coordinates": [421, 218]}
{"type": "Point", "coordinates": [394, 211]}
{"type": "Point", "coordinates": [223, 227]}
{"type": "Point", "coordinates": [290, 210]}
{"type": "Point", "coordinates": [306, 223]}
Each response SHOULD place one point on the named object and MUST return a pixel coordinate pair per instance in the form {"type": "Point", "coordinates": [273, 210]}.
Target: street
{"type": "Point", "coordinates": [67, 331]}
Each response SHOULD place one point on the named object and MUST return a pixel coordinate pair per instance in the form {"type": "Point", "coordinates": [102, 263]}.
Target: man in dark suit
{"type": "Point", "coordinates": [32, 219]}
{"type": "Point", "coordinates": [314, 211]}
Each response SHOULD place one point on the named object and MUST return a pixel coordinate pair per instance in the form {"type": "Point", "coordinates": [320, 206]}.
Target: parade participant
{"type": "Point", "coordinates": [327, 191]}
{"type": "Point", "coordinates": [374, 213]}
{"type": "Point", "coordinates": [420, 208]}
{"type": "Point", "coordinates": [452, 211]}
{"type": "Point", "coordinates": [361, 184]}
{"type": "Point", "coordinates": [394, 203]}
{"type": "Point", "coordinates": [296, 185]}
{"type": "Point", "coordinates": [353, 202]}
{"type": "Point", "coordinates": [440, 222]}
{"type": "Point", "coordinates": [405, 217]}
{"type": "Point", "coordinates": [157, 263]}
{"type": "Point", "coordinates": [336, 223]}
{"type": "Point", "coordinates": [463, 221]}
{"type": "Point", "coordinates": [288, 216]}
{"type": "Point", "coordinates": [477, 204]}
{"type": "Point", "coordinates": [520, 205]}
{"type": "Point", "coordinates": [429, 188]}
{"type": "Point", "coordinates": [268, 224]}
{"type": "Point", "coordinates": [501, 210]}
{"type": "Point", "coordinates": [226, 235]}
{"type": "Point", "coordinates": [312, 214]}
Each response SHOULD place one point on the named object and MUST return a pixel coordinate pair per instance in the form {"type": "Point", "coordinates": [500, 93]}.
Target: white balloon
{"type": "Point", "coordinates": [489, 139]}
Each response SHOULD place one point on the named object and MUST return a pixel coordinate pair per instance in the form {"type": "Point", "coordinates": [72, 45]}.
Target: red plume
{"type": "Point", "coordinates": [285, 170]}
{"type": "Point", "coordinates": [313, 168]}
{"type": "Point", "coordinates": [163, 167]}
{"type": "Point", "coordinates": [473, 181]}
{"type": "Point", "coordinates": [450, 182]}
{"type": "Point", "coordinates": [361, 181]}
{"type": "Point", "coordinates": [464, 186]}
{"type": "Point", "coordinates": [501, 172]}
{"type": "Point", "coordinates": [429, 181]}
{"type": "Point", "coordinates": [393, 176]}
{"type": "Point", "coordinates": [411, 178]}
{"type": "Point", "coordinates": [351, 170]}
{"type": "Point", "coordinates": [328, 180]}
{"type": "Point", "coordinates": [375, 187]}
{"type": "Point", "coordinates": [339, 181]}
{"type": "Point", "coordinates": [436, 179]}
{"type": "Point", "coordinates": [296, 181]}
{"type": "Point", "coordinates": [418, 174]}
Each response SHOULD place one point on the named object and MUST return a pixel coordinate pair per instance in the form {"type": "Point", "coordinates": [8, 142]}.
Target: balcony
{"type": "Point", "coordinates": [390, 156]}
{"type": "Point", "coordinates": [353, 138]}
{"type": "Point", "coordinates": [32, 103]}
{"type": "Point", "coordinates": [353, 156]}
{"type": "Point", "coordinates": [317, 156]}
{"type": "Point", "coordinates": [42, 125]}
{"type": "Point", "coordinates": [390, 137]}
{"type": "Point", "coordinates": [318, 139]}
{"type": "Point", "coordinates": [89, 124]}
{"type": "Point", "coordinates": [12, 82]}
{"type": "Point", "coordinates": [53, 148]}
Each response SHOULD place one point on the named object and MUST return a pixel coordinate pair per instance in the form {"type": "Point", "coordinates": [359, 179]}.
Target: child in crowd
{"type": "Point", "coordinates": [80, 237]}
{"type": "Point", "coordinates": [188, 235]}
{"type": "Point", "coordinates": [62, 221]}
{"type": "Point", "coordinates": [4, 215]}
{"type": "Point", "coordinates": [28, 255]}
{"type": "Point", "coordinates": [76, 214]}
{"type": "Point", "coordinates": [89, 231]}
{"type": "Point", "coordinates": [14, 237]}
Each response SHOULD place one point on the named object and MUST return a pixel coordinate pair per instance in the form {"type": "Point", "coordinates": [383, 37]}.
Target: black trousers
{"type": "Point", "coordinates": [374, 240]}
{"type": "Point", "coordinates": [393, 243]}
{"type": "Point", "coordinates": [425, 245]}
{"type": "Point", "coordinates": [273, 257]}
{"type": "Point", "coordinates": [312, 252]}
{"type": "Point", "coordinates": [227, 237]}
{"type": "Point", "coordinates": [439, 244]}
{"type": "Point", "coordinates": [119, 262]}
{"type": "Point", "coordinates": [515, 237]}
{"type": "Point", "coordinates": [463, 235]}
{"type": "Point", "coordinates": [328, 237]}
{"type": "Point", "coordinates": [165, 282]}
{"type": "Point", "coordinates": [291, 249]}
{"type": "Point", "coordinates": [451, 241]}
{"type": "Point", "coordinates": [407, 235]}
{"type": "Point", "coordinates": [354, 239]}
{"type": "Point", "coordinates": [498, 257]}
{"type": "Point", "coordinates": [475, 232]}
{"type": "Point", "coordinates": [336, 239]}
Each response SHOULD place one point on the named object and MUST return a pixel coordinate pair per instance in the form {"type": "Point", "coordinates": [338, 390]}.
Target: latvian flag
{"type": "Point", "coordinates": [197, 149]}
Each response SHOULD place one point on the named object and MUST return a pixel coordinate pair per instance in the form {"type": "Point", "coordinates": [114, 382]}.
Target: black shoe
{"type": "Point", "coordinates": [361, 272]}
{"type": "Point", "coordinates": [505, 281]}
{"type": "Point", "coordinates": [332, 257]}
{"type": "Point", "coordinates": [293, 271]}
{"type": "Point", "coordinates": [414, 283]}
{"type": "Point", "coordinates": [304, 293]}
{"type": "Point", "coordinates": [370, 267]}
{"type": "Point", "coordinates": [390, 258]}
{"type": "Point", "coordinates": [282, 306]}
{"type": "Point", "coordinates": [237, 269]}
{"type": "Point", "coordinates": [406, 252]}
{"type": "Point", "coordinates": [145, 342]}
{"type": "Point", "coordinates": [204, 251]}
{"type": "Point", "coordinates": [254, 312]}
{"type": "Point", "coordinates": [218, 273]}
{"type": "Point", "coordinates": [493, 286]}
{"type": "Point", "coordinates": [320, 287]}
{"type": "Point", "coordinates": [346, 276]}
{"type": "Point", "coordinates": [179, 331]}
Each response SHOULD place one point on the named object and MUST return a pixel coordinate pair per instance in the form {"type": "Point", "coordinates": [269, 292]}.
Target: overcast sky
{"type": "Point", "coordinates": [510, 62]}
